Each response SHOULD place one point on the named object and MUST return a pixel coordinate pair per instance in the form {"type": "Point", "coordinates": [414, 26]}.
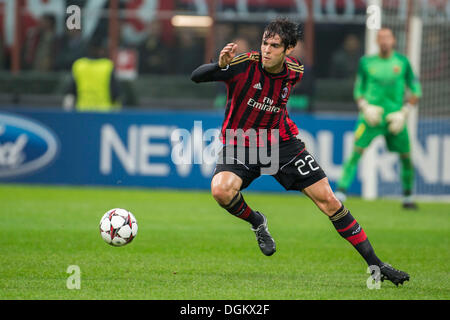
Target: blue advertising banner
{"type": "Point", "coordinates": [143, 149]}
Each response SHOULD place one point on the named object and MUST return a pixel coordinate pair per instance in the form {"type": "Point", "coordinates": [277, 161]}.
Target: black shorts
{"type": "Point", "coordinates": [294, 168]}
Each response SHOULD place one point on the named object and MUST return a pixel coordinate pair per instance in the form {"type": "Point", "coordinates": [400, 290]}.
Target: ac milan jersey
{"type": "Point", "coordinates": [257, 99]}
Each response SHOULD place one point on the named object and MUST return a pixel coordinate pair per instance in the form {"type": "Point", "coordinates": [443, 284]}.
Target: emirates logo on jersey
{"type": "Point", "coordinates": [266, 105]}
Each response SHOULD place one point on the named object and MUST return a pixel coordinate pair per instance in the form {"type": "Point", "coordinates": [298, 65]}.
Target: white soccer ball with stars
{"type": "Point", "coordinates": [118, 227]}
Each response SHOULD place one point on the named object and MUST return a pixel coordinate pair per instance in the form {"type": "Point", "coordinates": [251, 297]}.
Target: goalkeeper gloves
{"type": "Point", "coordinates": [371, 113]}
{"type": "Point", "coordinates": [396, 120]}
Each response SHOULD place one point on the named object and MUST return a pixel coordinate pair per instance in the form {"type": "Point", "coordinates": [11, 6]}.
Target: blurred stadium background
{"type": "Point", "coordinates": [155, 45]}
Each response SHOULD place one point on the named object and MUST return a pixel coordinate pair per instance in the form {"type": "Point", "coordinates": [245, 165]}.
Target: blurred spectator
{"type": "Point", "coordinates": [242, 45]}
{"type": "Point", "coordinates": [344, 62]}
{"type": "Point", "coordinates": [192, 51]}
{"type": "Point", "coordinates": [154, 56]}
{"type": "Point", "coordinates": [302, 96]}
{"type": "Point", "coordinates": [2, 54]}
{"type": "Point", "coordinates": [70, 48]}
{"type": "Point", "coordinates": [223, 34]}
{"type": "Point", "coordinates": [94, 86]}
{"type": "Point", "coordinates": [40, 45]}
{"type": "Point", "coordinates": [253, 35]}
{"type": "Point", "coordinates": [436, 67]}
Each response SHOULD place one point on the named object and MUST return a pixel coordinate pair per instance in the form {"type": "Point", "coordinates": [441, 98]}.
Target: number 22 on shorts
{"type": "Point", "coordinates": [309, 160]}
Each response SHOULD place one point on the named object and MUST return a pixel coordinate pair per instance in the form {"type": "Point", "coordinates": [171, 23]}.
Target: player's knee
{"type": "Point", "coordinates": [329, 204]}
{"type": "Point", "coordinates": [223, 194]}
{"type": "Point", "coordinates": [224, 187]}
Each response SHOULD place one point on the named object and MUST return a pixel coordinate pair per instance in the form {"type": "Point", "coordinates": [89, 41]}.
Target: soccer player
{"type": "Point", "coordinates": [259, 84]}
{"type": "Point", "coordinates": [379, 93]}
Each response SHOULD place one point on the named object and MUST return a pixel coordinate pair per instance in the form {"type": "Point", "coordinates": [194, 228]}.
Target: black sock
{"type": "Point", "coordinates": [350, 230]}
{"type": "Point", "coordinates": [239, 208]}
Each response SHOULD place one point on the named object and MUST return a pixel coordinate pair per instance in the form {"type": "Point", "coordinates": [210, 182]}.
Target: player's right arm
{"type": "Point", "coordinates": [372, 114]}
{"type": "Point", "coordinates": [218, 71]}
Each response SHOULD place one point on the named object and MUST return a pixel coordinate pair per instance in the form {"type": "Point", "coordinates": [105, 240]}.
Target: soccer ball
{"type": "Point", "coordinates": [118, 227]}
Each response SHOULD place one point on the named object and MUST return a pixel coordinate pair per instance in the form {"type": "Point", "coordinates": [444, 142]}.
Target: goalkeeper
{"type": "Point", "coordinates": [379, 93]}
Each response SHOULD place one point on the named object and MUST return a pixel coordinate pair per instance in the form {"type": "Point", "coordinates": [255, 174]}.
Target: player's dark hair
{"type": "Point", "coordinates": [288, 31]}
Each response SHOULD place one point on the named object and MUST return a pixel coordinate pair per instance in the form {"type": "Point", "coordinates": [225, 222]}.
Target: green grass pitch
{"type": "Point", "coordinates": [188, 247]}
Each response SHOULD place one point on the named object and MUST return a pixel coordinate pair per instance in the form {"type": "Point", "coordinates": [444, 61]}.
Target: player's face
{"type": "Point", "coordinates": [273, 53]}
{"type": "Point", "coordinates": [386, 40]}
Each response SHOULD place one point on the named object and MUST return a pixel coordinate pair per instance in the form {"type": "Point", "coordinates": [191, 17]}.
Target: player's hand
{"type": "Point", "coordinates": [371, 113]}
{"type": "Point", "coordinates": [227, 54]}
{"type": "Point", "coordinates": [396, 120]}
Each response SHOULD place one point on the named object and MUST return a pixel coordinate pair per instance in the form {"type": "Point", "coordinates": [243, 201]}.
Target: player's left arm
{"type": "Point", "coordinates": [297, 67]}
{"type": "Point", "coordinates": [413, 83]}
{"type": "Point", "coordinates": [397, 120]}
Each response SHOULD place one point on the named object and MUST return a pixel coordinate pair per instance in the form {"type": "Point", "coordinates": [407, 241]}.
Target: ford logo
{"type": "Point", "coordinates": [25, 145]}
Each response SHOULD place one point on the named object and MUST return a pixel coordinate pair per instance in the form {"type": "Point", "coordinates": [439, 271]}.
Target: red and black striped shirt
{"type": "Point", "coordinates": [256, 98]}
